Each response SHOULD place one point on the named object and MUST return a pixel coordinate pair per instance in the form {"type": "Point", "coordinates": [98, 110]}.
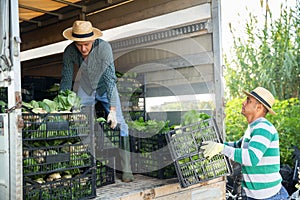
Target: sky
{"type": "Point", "coordinates": [236, 12]}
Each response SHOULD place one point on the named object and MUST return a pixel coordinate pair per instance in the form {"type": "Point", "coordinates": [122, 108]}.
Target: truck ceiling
{"type": "Point", "coordinates": [42, 22]}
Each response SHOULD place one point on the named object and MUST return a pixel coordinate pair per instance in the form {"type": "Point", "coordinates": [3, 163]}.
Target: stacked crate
{"type": "Point", "coordinates": [57, 161]}
{"type": "Point", "coordinates": [131, 91]}
{"type": "Point", "coordinates": [105, 171]}
{"type": "Point", "coordinates": [106, 150]}
{"type": "Point", "coordinates": [151, 155]}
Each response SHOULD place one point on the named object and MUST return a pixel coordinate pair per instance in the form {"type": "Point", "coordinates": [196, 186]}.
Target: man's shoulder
{"type": "Point", "coordinates": [70, 47]}
{"type": "Point", "coordinates": [264, 124]}
{"type": "Point", "coordinates": [102, 43]}
{"type": "Point", "coordinates": [103, 47]}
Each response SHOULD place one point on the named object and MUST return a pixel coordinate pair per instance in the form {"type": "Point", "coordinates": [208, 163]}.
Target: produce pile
{"type": "Point", "coordinates": [61, 187]}
{"type": "Point", "coordinates": [56, 125]}
{"type": "Point", "coordinates": [148, 127]}
{"type": "Point", "coordinates": [57, 163]}
{"type": "Point", "coordinates": [68, 157]}
{"type": "Point", "coordinates": [64, 101]}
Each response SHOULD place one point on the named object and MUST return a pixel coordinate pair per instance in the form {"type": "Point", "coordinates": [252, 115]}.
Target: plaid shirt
{"type": "Point", "coordinates": [99, 70]}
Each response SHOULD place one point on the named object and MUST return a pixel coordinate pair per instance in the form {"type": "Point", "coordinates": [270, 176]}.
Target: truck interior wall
{"type": "Point", "coordinates": [181, 81]}
{"type": "Point", "coordinates": [182, 51]}
{"type": "Point", "coordinates": [185, 61]}
{"type": "Point", "coordinates": [49, 66]}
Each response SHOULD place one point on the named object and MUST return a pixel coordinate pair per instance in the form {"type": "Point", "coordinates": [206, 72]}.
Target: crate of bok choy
{"type": "Point", "coordinates": [106, 138]}
{"type": "Point", "coordinates": [59, 118]}
{"type": "Point", "coordinates": [61, 186]}
{"type": "Point", "coordinates": [48, 157]}
{"type": "Point", "coordinates": [190, 164]}
{"type": "Point", "coordinates": [150, 153]}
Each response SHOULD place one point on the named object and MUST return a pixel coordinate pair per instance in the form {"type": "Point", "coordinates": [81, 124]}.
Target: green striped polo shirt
{"type": "Point", "coordinates": [258, 154]}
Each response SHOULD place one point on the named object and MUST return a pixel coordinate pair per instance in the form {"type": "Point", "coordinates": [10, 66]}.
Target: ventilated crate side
{"type": "Point", "coordinates": [106, 137]}
{"type": "Point", "coordinates": [152, 156]}
{"type": "Point", "coordinates": [190, 164]}
{"type": "Point", "coordinates": [78, 187]}
{"type": "Point", "coordinates": [194, 169]}
{"type": "Point", "coordinates": [153, 167]}
{"type": "Point", "coordinates": [47, 159]}
{"type": "Point", "coordinates": [111, 136]}
{"type": "Point", "coordinates": [54, 126]}
{"type": "Point", "coordinates": [105, 171]}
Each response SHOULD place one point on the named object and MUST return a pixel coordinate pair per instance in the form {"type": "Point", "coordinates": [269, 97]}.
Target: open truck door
{"type": "Point", "coordinates": [10, 112]}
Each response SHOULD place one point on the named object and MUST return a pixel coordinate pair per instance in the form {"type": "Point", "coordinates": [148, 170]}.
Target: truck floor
{"type": "Point", "coordinates": [120, 189]}
{"type": "Point", "coordinates": [147, 188]}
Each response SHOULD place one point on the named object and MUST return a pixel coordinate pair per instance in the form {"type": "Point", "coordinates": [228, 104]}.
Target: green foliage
{"type": "Point", "coordinates": [235, 122]}
{"type": "Point", "coordinates": [268, 57]}
{"type": "Point", "coordinates": [287, 123]}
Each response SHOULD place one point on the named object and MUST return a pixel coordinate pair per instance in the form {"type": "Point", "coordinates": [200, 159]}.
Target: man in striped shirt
{"type": "Point", "coordinates": [95, 80]}
{"type": "Point", "coordinates": [257, 151]}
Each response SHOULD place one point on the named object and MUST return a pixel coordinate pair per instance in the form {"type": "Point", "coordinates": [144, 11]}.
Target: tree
{"type": "Point", "coordinates": [268, 57]}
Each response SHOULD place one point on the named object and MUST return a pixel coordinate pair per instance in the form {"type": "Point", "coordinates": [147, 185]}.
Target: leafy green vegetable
{"type": "Point", "coordinates": [67, 100]}
{"type": "Point", "coordinates": [44, 106]}
{"type": "Point", "coordinates": [27, 105]}
{"type": "Point", "coordinates": [193, 116]}
{"type": "Point", "coordinates": [64, 101]}
{"type": "Point", "coordinates": [149, 126]}
{"type": "Point", "coordinates": [100, 119]}
{"type": "Point", "coordinates": [52, 105]}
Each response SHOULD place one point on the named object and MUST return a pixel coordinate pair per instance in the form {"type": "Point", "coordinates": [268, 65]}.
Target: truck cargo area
{"type": "Point", "coordinates": [147, 188]}
{"type": "Point", "coordinates": [164, 51]}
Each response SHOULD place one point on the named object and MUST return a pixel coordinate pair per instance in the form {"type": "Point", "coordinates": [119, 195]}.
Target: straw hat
{"type": "Point", "coordinates": [263, 96]}
{"type": "Point", "coordinates": [82, 31]}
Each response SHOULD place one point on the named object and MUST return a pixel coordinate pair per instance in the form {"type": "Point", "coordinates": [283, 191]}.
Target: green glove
{"type": "Point", "coordinates": [211, 148]}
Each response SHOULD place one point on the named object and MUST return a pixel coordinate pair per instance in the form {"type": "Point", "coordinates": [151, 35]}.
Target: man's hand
{"type": "Point", "coordinates": [211, 148]}
{"type": "Point", "coordinates": [112, 118]}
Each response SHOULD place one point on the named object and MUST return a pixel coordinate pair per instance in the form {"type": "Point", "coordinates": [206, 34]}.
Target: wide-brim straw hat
{"type": "Point", "coordinates": [82, 31]}
{"type": "Point", "coordinates": [264, 96]}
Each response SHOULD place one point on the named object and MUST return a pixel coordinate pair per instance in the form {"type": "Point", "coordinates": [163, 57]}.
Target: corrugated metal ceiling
{"type": "Point", "coordinates": [29, 9]}
{"type": "Point", "coordinates": [35, 14]}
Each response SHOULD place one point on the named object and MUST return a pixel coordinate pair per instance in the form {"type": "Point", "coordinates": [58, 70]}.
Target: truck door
{"type": "Point", "coordinates": [10, 113]}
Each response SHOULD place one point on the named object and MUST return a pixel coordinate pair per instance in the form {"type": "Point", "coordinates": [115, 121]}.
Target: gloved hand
{"type": "Point", "coordinates": [211, 148]}
{"type": "Point", "coordinates": [112, 118]}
